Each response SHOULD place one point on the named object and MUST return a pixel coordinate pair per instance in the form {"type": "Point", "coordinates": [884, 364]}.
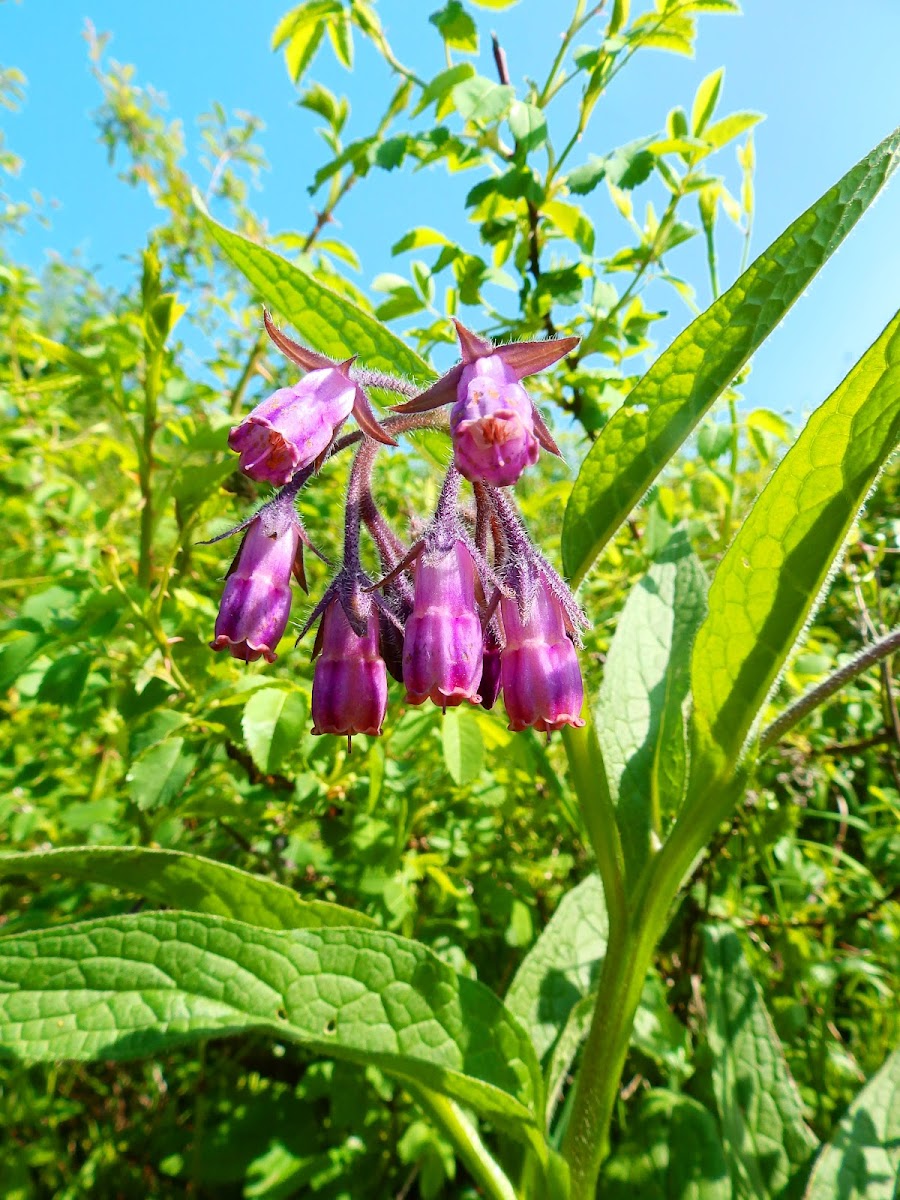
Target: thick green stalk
{"type": "Point", "coordinates": [145, 467]}
{"type": "Point", "coordinates": [451, 1120]}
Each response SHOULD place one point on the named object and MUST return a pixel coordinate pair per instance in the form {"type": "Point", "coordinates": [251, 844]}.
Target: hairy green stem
{"type": "Point", "coordinates": [451, 1120]}
{"type": "Point", "coordinates": [794, 713]}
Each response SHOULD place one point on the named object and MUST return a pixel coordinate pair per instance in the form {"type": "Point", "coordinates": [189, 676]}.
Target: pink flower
{"type": "Point", "coordinates": [290, 429]}
{"type": "Point", "coordinates": [442, 644]}
{"type": "Point", "coordinates": [350, 681]}
{"type": "Point", "coordinates": [539, 670]}
{"type": "Point", "coordinates": [497, 431]}
{"type": "Point", "coordinates": [294, 427]}
{"type": "Point", "coordinates": [492, 424]}
{"type": "Point", "coordinates": [256, 602]}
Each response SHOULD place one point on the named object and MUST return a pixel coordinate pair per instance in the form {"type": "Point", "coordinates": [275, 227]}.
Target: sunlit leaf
{"type": "Point", "coordinates": [362, 995]}
{"type": "Point", "coordinates": [775, 569]}
{"type": "Point", "coordinates": [661, 411]}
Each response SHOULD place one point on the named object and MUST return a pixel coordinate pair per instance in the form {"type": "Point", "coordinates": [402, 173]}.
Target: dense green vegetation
{"type": "Point", "coordinates": [771, 998]}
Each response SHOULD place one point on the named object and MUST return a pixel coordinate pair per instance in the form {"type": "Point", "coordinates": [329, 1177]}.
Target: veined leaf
{"type": "Point", "coordinates": [767, 1142]}
{"type": "Point", "coordinates": [184, 881]}
{"type": "Point", "coordinates": [561, 967]}
{"type": "Point", "coordinates": [862, 1160]}
{"type": "Point", "coordinates": [362, 995]}
{"type": "Point", "coordinates": [673, 1152]}
{"type": "Point", "coordinates": [705, 101]}
{"type": "Point", "coordinates": [328, 322]}
{"type": "Point", "coordinates": [463, 745]}
{"type": "Point", "coordinates": [768, 582]}
{"type": "Point", "coordinates": [638, 715]}
{"type": "Point", "coordinates": [667, 403]}
{"type": "Point", "coordinates": [273, 721]}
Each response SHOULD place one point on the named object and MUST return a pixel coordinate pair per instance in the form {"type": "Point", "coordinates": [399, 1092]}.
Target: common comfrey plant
{"type": "Point", "coordinates": [470, 602]}
{"type": "Point", "coordinates": [523, 1086]}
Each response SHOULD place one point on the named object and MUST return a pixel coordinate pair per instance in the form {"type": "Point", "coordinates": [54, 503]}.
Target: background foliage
{"type": "Point", "coordinates": [122, 730]}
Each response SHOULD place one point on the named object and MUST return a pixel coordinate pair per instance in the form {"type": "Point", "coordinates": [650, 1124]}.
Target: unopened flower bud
{"type": "Point", "coordinates": [490, 667]}
{"type": "Point", "coordinates": [539, 669]}
{"type": "Point", "coordinates": [256, 602]}
{"type": "Point", "coordinates": [442, 645]}
{"type": "Point", "coordinates": [350, 681]}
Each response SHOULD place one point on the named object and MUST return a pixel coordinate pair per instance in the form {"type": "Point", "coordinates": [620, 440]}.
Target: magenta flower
{"type": "Point", "coordinates": [442, 644]}
{"type": "Point", "coordinates": [490, 667]}
{"type": "Point", "coordinates": [350, 681]}
{"type": "Point", "coordinates": [492, 424]}
{"type": "Point", "coordinates": [256, 602]}
{"type": "Point", "coordinates": [294, 427]}
{"type": "Point", "coordinates": [539, 669]}
{"type": "Point", "coordinates": [496, 428]}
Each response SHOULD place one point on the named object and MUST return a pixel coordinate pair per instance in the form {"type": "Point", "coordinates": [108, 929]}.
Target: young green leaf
{"type": "Point", "coordinates": [705, 101]}
{"type": "Point", "coordinates": [672, 1152]}
{"type": "Point", "coordinates": [775, 569]}
{"type": "Point", "coordinates": [328, 322]}
{"type": "Point", "coordinates": [273, 723]}
{"type": "Point", "coordinates": [158, 776]}
{"type": "Point", "coordinates": [362, 995]}
{"type": "Point", "coordinates": [862, 1160]}
{"type": "Point", "coordinates": [638, 715]}
{"type": "Point", "coordinates": [463, 746]}
{"type": "Point", "coordinates": [185, 881]}
{"type": "Point", "coordinates": [667, 403]}
{"type": "Point", "coordinates": [562, 965]}
{"type": "Point", "coordinates": [767, 1142]}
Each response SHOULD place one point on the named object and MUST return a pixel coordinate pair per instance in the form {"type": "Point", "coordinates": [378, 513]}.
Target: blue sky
{"type": "Point", "coordinates": [824, 73]}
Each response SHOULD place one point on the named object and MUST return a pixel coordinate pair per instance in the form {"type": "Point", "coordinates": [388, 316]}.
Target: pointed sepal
{"type": "Point", "coordinates": [310, 360]}
{"type": "Point", "coordinates": [471, 345]}
{"type": "Point", "coordinates": [442, 392]}
{"type": "Point", "coordinates": [527, 358]}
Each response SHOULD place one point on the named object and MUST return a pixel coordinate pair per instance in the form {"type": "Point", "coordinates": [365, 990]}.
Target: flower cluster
{"type": "Point", "coordinates": [471, 609]}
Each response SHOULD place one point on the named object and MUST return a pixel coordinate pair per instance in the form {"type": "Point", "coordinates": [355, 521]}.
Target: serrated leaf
{"type": "Point", "coordinates": [720, 133]}
{"type": "Point", "coordinates": [667, 403]}
{"type": "Point", "coordinates": [528, 125]}
{"type": "Point", "coordinates": [158, 776]}
{"type": "Point", "coordinates": [478, 99]}
{"type": "Point", "coordinates": [186, 881]}
{"type": "Point", "coordinates": [672, 1152]}
{"type": "Point", "coordinates": [442, 84]}
{"type": "Point", "coordinates": [767, 1142]}
{"type": "Point", "coordinates": [572, 221]}
{"type": "Point", "coordinates": [65, 678]}
{"type": "Point", "coordinates": [328, 322]}
{"type": "Point", "coordinates": [456, 27]}
{"type": "Point", "coordinates": [769, 580]}
{"type": "Point", "coordinates": [562, 966]}
{"type": "Point", "coordinates": [705, 101]}
{"type": "Point", "coordinates": [273, 724]}
{"type": "Point", "coordinates": [862, 1160]}
{"type": "Point", "coordinates": [361, 995]}
{"type": "Point", "coordinates": [463, 745]}
{"type": "Point", "coordinates": [638, 715]}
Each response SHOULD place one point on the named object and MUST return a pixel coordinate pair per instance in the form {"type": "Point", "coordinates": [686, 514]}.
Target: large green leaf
{"type": "Point", "coordinates": [183, 881]}
{"type": "Point", "coordinates": [862, 1160]}
{"type": "Point", "coordinates": [775, 569]}
{"type": "Point", "coordinates": [638, 716]}
{"type": "Point", "coordinates": [273, 721]}
{"type": "Point", "coordinates": [129, 986]}
{"type": "Point", "coordinates": [673, 1152]}
{"type": "Point", "coordinates": [328, 322]}
{"type": "Point", "coordinates": [562, 966]}
{"type": "Point", "coordinates": [681, 385]}
{"type": "Point", "coordinates": [767, 1143]}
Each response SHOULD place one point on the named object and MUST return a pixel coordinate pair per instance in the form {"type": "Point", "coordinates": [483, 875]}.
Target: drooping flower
{"type": "Point", "coordinates": [294, 427]}
{"type": "Point", "coordinates": [350, 679]}
{"type": "Point", "coordinates": [442, 644]}
{"type": "Point", "coordinates": [496, 428]}
{"type": "Point", "coordinates": [256, 602]}
{"type": "Point", "coordinates": [539, 670]}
